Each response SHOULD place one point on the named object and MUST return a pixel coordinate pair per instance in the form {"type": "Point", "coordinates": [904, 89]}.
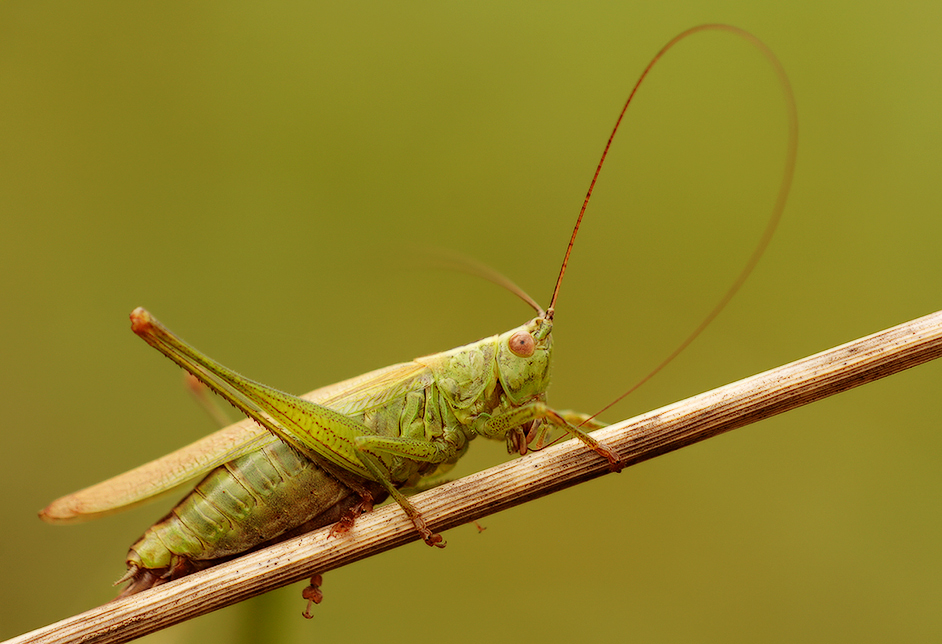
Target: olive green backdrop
{"type": "Point", "coordinates": [265, 177]}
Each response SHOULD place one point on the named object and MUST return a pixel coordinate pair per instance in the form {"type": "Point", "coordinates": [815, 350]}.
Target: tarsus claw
{"type": "Point", "coordinates": [312, 594]}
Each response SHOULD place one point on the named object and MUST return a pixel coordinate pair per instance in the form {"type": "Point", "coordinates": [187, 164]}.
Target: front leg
{"type": "Point", "coordinates": [501, 424]}
{"type": "Point", "coordinates": [537, 434]}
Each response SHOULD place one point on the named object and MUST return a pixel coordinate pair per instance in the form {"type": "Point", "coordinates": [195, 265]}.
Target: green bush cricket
{"type": "Point", "coordinates": [324, 458]}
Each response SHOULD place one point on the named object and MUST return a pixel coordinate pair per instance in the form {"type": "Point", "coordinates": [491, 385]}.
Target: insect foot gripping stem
{"type": "Point", "coordinates": [348, 518]}
{"type": "Point", "coordinates": [430, 538]}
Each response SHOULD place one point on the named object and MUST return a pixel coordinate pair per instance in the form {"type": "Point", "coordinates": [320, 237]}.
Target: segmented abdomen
{"type": "Point", "coordinates": [247, 502]}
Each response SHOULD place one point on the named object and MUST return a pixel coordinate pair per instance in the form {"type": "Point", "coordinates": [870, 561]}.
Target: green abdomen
{"type": "Point", "coordinates": [245, 503]}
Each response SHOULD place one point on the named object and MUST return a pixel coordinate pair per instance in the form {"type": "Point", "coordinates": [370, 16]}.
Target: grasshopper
{"type": "Point", "coordinates": [324, 458]}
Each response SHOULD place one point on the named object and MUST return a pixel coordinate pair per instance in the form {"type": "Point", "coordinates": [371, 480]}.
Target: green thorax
{"type": "Point", "coordinates": [498, 372]}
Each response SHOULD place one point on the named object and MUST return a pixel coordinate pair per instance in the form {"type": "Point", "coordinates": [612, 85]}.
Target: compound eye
{"type": "Point", "coordinates": [522, 344]}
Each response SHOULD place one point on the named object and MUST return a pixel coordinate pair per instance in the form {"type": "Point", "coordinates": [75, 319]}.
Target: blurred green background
{"type": "Point", "coordinates": [265, 179]}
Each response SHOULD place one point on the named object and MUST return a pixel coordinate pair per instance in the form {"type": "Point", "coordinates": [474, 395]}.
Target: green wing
{"type": "Point", "coordinates": [157, 477]}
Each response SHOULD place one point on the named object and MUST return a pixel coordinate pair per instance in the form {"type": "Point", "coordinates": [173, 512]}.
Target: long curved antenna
{"type": "Point", "coordinates": [777, 209]}
{"type": "Point", "coordinates": [784, 188]}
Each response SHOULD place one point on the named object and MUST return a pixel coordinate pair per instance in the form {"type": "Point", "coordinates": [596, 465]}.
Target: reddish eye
{"type": "Point", "coordinates": [522, 344]}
